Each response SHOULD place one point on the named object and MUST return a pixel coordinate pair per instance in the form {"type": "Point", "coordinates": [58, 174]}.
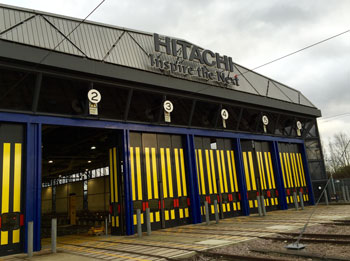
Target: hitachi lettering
{"type": "Point", "coordinates": [191, 52]}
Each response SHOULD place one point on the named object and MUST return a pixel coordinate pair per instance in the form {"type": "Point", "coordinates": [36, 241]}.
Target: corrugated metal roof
{"type": "Point", "coordinates": [120, 46]}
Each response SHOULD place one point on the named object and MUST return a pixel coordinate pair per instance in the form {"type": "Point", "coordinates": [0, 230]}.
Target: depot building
{"type": "Point", "coordinates": [98, 122]}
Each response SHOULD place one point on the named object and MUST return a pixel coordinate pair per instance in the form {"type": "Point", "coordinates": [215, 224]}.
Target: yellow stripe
{"type": "Point", "coordinates": [228, 207]}
{"type": "Point", "coordinates": [302, 169]}
{"type": "Point", "coordinates": [198, 174]}
{"type": "Point", "coordinates": [178, 178]}
{"type": "Point", "coordinates": [17, 178]}
{"type": "Point", "coordinates": [184, 185]}
{"type": "Point", "coordinates": [135, 219]}
{"type": "Point", "coordinates": [6, 178]}
{"type": "Point", "coordinates": [271, 171]}
{"type": "Point", "coordinates": [234, 170]}
{"type": "Point", "coordinates": [148, 173]}
{"type": "Point", "coordinates": [181, 213]}
{"type": "Point", "coordinates": [138, 172]}
{"type": "Point", "coordinates": [170, 177]}
{"type": "Point", "coordinates": [260, 172]}
{"type": "Point", "coordinates": [151, 217]}
{"type": "Point", "coordinates": [289, 171]}
{"type": "Point", "coordinates": [296, 170]}
{"type": "Point", "coordinates": [132, 169]}
{"type": "Point", "coordinates": [213, 171]}
{"type": "Point", "coordinates": [115, 175]}
{"type": "Point", "coordinates": [172, 213]}
{"type": "Point", "coordinates": [113, 220]}
{"type": "Point", "coordinates": [251, 204]}
{"type": "Point", "coordinates": [252, 169]}
{"type": "Point", "coordinates": [293, 170]}
{"type": "Point", "coordinates": [111, 174]}
{"type": "Point", "coordinates": [246, 171]}
{"type": "Point", "coordinates": [166, 213]}
{"type": "Point", "coordinates": [224, 207]}
{"type": "Point", "coordinates": [256, 203]}
{"type": "Point", "coordinates": [230, 170]}
{"type": "Point", "coordinates": [157, 216]}
{"type": "Point", "coordinates": [187, 214]}
{"type": "Point", "coordinates": [263, 169]}
{"type": "Point", "coordinates": [219, 171]}
{"type": "Point", "coordinates": [224, 170]}
{"type": "Point", "coordinates": [208, 172]}
{"type": "Point", "coordinates": [15, 236]}
{"type": "Point", "coordinates": [282, 167]}
{"type": "Point", "coordinates": [162, 161]}
{"type": "Point", "coordinates": [117, 221]}
{"type": "Point", "coordinates": [5, 187]}
{"type": "Point", "coordinates": [286, 169]}
{"type": "Point", "coordinates": [201, 171]}
{"type": "Point", "coordinates": [155, 174]}
{"type": "Point", "coordinates": [267, 170]}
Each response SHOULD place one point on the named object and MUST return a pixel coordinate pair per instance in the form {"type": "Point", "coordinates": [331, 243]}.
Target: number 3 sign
{"type": "Point", "coordinates": [94, 96]}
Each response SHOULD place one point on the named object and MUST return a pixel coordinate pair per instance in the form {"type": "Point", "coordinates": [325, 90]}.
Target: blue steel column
{"type": "Point", "coordinates": [278, 175]}
{"type": "Point", "coordinates": [241, 177]}
{"type": "Point", "coordinates": [193, 180]}
{"type": "Point", "coordinates": [33, 184]}
{"type": "Point", "coordinates": [307, 175]}
{"type": "Point", "coordinates": [127, 184]}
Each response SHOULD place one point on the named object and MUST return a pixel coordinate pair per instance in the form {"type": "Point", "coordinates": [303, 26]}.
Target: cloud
{"type": "Point", "coordinates": [251, 32]}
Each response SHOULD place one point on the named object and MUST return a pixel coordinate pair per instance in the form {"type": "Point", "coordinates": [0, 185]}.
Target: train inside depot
{"type": "Point", "coordinates": [114, 121]}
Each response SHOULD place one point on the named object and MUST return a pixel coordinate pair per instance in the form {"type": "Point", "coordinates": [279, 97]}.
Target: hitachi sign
{"type": "Point", "coordinates": [192, 53]}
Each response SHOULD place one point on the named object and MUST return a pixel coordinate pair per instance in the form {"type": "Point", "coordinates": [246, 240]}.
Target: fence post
{"type": "Point", "coordinates": [206, 212]}
{"type": "Point", "coordinates": [53, 235]}
{"type": "Point", "coordinates": [30, 238]}
{"type": "Point", "coordinates": [139, 228]}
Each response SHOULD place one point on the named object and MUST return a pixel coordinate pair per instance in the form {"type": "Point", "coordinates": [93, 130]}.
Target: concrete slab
{"type": "Point", "coordinates": [213, 242]}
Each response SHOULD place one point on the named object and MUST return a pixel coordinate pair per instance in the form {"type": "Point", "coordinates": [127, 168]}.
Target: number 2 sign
{"type": "Point", "coordinates": [94, 96]}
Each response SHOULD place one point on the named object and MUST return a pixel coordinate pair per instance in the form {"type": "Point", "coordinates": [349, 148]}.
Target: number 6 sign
{"type": "Point", "coordinates": [94, 96]}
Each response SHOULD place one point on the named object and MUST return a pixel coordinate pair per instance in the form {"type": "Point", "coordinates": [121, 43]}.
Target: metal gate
{"type": "Point", "coordinates": [259, 174]}
{"type": "Point", "coordinates": [11, 219]}
{"type": "Point", "coordinates": [217, 177]}
{"type": "Point", "coordinates": [158, 179]}
{"type": "Point", "coordinates": [293, 172]}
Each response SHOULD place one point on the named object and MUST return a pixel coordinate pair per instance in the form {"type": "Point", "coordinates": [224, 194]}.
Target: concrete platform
{"type": "Point", "coordinates": [184, 241]}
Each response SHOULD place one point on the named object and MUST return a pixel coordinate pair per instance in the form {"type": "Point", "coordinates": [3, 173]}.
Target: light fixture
{"type": "Point", "coordinates": [89, 161]}
{"type": "Point", "coordinates": [93, 147]}
{"type": "Point", "coordinates": [50, 161]}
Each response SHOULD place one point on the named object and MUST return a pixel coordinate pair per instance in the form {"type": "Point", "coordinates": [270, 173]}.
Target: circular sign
{"type": "Point", "coordinates": [168, 106]}
{"type": "Point", "coordinates": [94, 96]}
{"type": "Point", "coordinates": [265, 120]}
{"type": "Point", "coordinates": [224, 114]}
{"type": "Point", "coordinates": [299, 126]}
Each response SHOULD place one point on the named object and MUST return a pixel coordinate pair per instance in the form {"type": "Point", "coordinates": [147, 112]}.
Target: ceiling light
{"type": "Point", "coordinates": [50, 161]}
{"type": "Point", "coordinates": [89, 161]}
{"type": "Point", "coordinates": [93, 147]}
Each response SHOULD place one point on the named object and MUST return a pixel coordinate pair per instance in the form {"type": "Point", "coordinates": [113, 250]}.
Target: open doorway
{"type": "Point", "coordinates": [76, 177]}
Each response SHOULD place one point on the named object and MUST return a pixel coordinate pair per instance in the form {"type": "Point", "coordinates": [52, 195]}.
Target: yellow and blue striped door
{"type": "Point", "coordinates": [259, 174]}
{"type": "Point", "coordinates": [293, 172]}
{"type": "Point", "coordinates": [11, 159]}
{"type": "Point", "coordinates": [114, 181]}
{"type": "Point", "coordinates": [217, 177]}
{"type": "Point", "coordinates": [158, 178]}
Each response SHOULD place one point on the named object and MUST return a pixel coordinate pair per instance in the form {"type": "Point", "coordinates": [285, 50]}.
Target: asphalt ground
{"type": "Point", "coordinates": [185, 241]}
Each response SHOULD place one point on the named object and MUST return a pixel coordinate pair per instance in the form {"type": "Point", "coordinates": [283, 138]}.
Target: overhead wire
{"type": "Point", "coordinates": [297, 51]}
{"type": "Point", "coordinates": [287, 55]}
{"type": "Point", "coordinates": [52, 50]}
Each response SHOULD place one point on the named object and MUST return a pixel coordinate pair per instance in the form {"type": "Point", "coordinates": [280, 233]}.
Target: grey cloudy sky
{"type": "Point", "coordinates": [251, 32]}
